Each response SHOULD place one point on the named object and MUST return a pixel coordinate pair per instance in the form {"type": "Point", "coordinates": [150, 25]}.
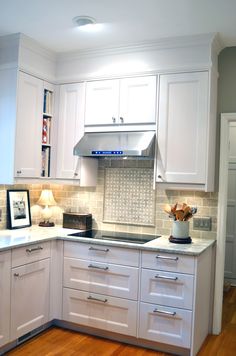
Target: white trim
{"type": "Point", "coordinates": [152, 45]}
{"type": "Point", "coordinates": [221, 225]}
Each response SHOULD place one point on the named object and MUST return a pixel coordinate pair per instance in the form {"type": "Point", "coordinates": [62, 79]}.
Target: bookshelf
{"type": "Point", "coordinates": [46, 133]}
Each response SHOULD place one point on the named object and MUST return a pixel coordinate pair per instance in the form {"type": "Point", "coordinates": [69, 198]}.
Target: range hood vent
{"type": "Point", "coordinates": [117, 144]}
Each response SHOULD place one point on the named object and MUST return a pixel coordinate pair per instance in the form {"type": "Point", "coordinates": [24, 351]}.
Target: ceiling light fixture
{"type": "Point", "coordinates": [81, 21]}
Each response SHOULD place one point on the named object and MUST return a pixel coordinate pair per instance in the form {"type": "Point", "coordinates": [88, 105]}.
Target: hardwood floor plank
{"type": "Point", "coordinates": [60, 342]}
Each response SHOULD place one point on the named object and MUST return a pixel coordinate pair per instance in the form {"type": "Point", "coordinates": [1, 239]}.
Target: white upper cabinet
{"type": "Point", "coordinates": [102, 102]}
{"type": "Point", "coordinates": [183, 128]}
{"type": "Point", "coordinates": [70, 131]}
{"type": "Point", "coordinates": [120, 102]}
{"type": "Point", "coordinates": [28, 126]}
{"type": "Point", "coordinates": [138, 100]}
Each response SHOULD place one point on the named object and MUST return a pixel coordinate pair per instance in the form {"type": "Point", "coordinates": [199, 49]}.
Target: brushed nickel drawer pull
{"type": "Point", "coordinates": [16, 275]}
{"type": "Point", "coordinates": [98, 267]}
{"type": "Point", "coordinates": [98, 249]}
{"type": "Point", "coordinates": [166, 277]}
{"type": "Point", "coordinates": [97, 299]}
{"type": "Point", "coordinates": [167, 258]}
{"type": "Point", "coordinates": [29, 250]}
{"type": "Point", "coordinates": [164, 312]}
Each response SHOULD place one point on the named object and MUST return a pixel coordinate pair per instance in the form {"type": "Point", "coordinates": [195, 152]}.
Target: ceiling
{"type": "Point", "coordinates": [122, 21]}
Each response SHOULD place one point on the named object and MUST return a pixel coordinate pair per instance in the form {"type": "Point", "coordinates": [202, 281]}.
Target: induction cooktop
{"type": "Point", "coordinates": [115, 236]}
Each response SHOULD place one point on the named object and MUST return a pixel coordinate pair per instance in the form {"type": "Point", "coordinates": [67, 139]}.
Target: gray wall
{"type": "Point", "coordinates": [226, 93]}
{"type": "Point", "coordinates": [227, 80]}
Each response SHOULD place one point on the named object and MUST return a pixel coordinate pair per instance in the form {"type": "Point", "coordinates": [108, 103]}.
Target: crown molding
{"type": "Point", "coordinates": [32, 45]}
{"type": "Point", "coordinates": [164, 43]}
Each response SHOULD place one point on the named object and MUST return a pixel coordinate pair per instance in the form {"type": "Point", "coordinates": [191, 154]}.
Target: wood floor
{"type": "Point", "coordinates": [59, 342]}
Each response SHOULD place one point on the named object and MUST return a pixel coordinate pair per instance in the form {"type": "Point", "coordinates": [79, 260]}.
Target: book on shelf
{"type": "Point", "coordinates": [46, 131]}
{"type": "Point", "coordinates": [45, 162]}
{"type": "Point", "coordinates": [47, 102]}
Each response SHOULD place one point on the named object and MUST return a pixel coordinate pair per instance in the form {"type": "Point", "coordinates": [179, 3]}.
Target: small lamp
{"type": "Point", "coordinates": [46, 199]}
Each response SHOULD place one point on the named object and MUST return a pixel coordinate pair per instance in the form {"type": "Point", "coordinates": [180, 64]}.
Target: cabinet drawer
{"type": "Point", "coordinates": [30, 253]}
{"type": "Point", "coordinates": [166, 325]}
{"type": "Point", "coordinates": [167, 288]}
{"type": "Point", "coordinates": [101, 253]}
{"type": "Point", "coordinates": [168, 262]}
{"type": "Point", "coordinates": [104, 278]}
{"type": "Point", "coordinates": [99, 311]}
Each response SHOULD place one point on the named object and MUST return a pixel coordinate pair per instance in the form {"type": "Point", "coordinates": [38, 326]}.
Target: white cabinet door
{"type": "Point", "coordinates": [115, 280]}
{"type": "Point", "coordinates": [70, 129]}
{"type": "Point", "coordinates": [121, 102]}
{"type": "Point", "coordinates": [100, 311]}
{"type": "Point", "coordinates": [166, 325]}
{"type": "Point", "coordinates": [29, 297]}
{"type": "Point", "coordinates": [102, 102]}
{"type": "Point", "coordinates": [29, 126]}
{"type": "Point", "coordinates": [183, 128]}
{"type": "Point", "coordinates": [138, 100]}
{"type": "Point", "coordinates": [5, 283]}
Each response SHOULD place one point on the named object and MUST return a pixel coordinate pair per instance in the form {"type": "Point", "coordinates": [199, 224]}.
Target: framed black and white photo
{"type": "Point", "coordinates": [18, 209]}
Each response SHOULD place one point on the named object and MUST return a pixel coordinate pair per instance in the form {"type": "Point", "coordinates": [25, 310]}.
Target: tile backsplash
{"type": "Point", "coordinates": [129, 196]}
{"type": "Point", "coordinates": [72, 198]}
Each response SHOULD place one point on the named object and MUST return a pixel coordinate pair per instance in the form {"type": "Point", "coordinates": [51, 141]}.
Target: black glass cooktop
{"type": "Point", "coordinates": [115, 236]}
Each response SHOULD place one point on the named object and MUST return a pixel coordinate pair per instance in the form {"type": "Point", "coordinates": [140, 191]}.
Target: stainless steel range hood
{"type": "Point", "coordinates": [139, 144]}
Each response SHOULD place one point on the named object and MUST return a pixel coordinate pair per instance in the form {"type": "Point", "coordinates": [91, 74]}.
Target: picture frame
{"type": "Point", "coordinates": [18, 209]}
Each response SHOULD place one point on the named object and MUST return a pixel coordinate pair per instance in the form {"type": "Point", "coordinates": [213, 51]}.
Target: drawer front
{"type": "Point", "coordinates": [30, 253]}
{"type": "Point", "coordinates": [168, 262]}
{"type": "Point", "coordinates": [99, 311]}
{"type": "Point", "coordinates": [166, 325]}
{"type": "Point", "coordinates": [167, 288]}
{"type": "Point", "coordinates": [101, 253]}
{"type": "Point", "coordinates": [104, 278]}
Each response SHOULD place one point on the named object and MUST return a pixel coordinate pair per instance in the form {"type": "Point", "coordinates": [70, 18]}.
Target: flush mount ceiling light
{"type": "Point", "coordinates": [81, 21]}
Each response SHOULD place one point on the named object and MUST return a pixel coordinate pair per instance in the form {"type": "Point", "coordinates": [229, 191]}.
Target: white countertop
{"type": "Point", "coordinates": [21, 237]}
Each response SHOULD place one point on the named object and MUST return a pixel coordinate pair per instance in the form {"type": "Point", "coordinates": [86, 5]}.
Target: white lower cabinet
{"type": "Point", "coordinates": [100, 311]}
{"type": "Point", "coordinates": [29, 297]}
{"type": "Point", "coordinates": [160, 299]}
{"type": "Point", "coordinates": [5, 283]}
{"type": "Point", "coordinates": [101, 288]}
{"type": "Point", "coordinates": [167, 294]}
{"type": "Point", "coordinates": [165, 325]}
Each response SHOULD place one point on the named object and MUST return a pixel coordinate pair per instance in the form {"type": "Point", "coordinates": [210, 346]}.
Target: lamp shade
{"type": "Point", "coordinates": [46, 198]}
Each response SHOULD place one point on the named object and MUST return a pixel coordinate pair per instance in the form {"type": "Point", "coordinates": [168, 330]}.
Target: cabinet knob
{"type": "Point", "coordinates": [18, 172]}
{"type": "Point", "coordinates": [75, 174]}
{"type": "Point", "coordinates": [122, 120]}
{"type": "Point", "coordinates": [113, 119]}
{"type": "Point", "coordinates": [16, 274]}
{"type": "Point", "coordinates": [160, 177]}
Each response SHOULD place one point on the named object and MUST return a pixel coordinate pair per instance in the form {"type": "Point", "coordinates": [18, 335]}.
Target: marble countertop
{"type": "Point", "coordinates": [21, 237]}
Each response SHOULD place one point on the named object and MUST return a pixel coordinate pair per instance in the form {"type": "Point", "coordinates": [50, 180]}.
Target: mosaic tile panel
{"type": "Point", "coordinates": [129, 196]}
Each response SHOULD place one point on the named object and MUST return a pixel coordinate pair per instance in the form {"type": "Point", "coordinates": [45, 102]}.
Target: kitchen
{"type": "Point", "coordinates": [71, 197]}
